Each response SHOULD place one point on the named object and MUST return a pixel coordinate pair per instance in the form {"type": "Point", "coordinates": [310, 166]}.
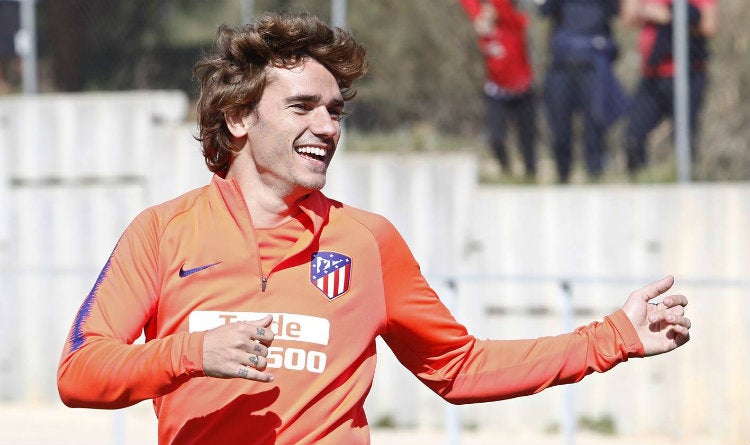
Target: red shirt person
{"type": "Point", "coordinates": [654, 97]}
{"type": "Point", "coordinates": [501, 31]}
{"type": "Point", "coordinates": [509, 78]}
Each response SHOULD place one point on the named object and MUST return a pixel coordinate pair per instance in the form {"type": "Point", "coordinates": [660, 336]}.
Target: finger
{"type": "Point", "coordinates": [257, 348]}
{"type": "Point", "coordinates": [265, 321]}
{"type": "Point", "coordinates": [248, 373]}
{"type": "Point", "coordinates": [670, 318]}
{"type": "Point", "coordinates": [677, 310]}
{"type": "Point", "coordinates": [681, 330]}
{"type": "Point", "coordinates": [679, 334]}
{"type": "Point", "coordinates": [260, 330]}
{"type": "Point", "coordinates": [256, 362]}
{"type": "Point", "coordinates": [654, 289]}
{"type": "Point", "coordinates": [663, 312]}
{"type": "Point", "coordinates": [663, 308]}
{"type": "Point", "coordinates": [262, 335]}
{"type": "Point", "coordinates": [675, 300]}
{"type": "Point", "coordinates": [678, 320]}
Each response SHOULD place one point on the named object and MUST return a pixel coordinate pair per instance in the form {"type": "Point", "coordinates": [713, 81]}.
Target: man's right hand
{"type": "Point", "coordinates": [238, 350]}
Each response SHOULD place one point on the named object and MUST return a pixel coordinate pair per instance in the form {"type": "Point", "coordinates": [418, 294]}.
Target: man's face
{"type": "Point", "coordinates": [292, 136]}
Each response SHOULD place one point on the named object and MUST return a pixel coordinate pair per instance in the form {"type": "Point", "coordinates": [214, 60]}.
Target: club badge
{"type": "Point", "coordinates": [331, 273]}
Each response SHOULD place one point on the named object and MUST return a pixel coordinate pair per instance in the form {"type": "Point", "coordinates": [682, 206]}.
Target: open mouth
{"type": "Point", "coordinates": [316, 153]}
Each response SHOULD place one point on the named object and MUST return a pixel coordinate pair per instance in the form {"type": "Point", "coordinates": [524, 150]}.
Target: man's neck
{"type": "Point", "coordinates": [268, 207]}
{"type": "Point", "coordinates": [268, 214]}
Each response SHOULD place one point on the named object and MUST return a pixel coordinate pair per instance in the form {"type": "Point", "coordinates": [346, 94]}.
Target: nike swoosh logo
{"type": "Point", "coordinates": [186, 272]}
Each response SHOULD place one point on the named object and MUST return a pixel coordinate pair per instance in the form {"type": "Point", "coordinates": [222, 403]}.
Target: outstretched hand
{"type": "Point", "coordinates": [661, 327]}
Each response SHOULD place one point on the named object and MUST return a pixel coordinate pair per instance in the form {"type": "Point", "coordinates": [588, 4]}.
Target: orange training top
{"type": "Point", "coordinates": [192, 264]}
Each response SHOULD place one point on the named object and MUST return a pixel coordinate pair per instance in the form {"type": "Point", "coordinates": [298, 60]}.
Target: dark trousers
{"type": "Point", "coordinates": [653, 102]}
{"type": "Point", "coordinates": [520, 110]}
{"type": "Point", "coordinates": [569, 88]}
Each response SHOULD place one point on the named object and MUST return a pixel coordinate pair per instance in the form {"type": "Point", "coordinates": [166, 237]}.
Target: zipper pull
{"type": "Point", "coordinates": [263, 282]}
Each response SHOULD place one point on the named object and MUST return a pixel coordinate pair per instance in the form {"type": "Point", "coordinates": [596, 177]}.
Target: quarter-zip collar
{"type": "Point", "coordinates": [316, 206]}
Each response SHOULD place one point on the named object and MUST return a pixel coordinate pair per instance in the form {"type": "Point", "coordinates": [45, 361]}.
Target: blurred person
{"type": "Point", "coordinates": [10, 63]}
{"type": "Point", "coordinates": [501, 31]}
{"type": "Point", "coordinates": [654, 97]}
{"type": "Point", "coordinates": [261, 299]}
{"type": "Point", "coordinates": [579, 77]}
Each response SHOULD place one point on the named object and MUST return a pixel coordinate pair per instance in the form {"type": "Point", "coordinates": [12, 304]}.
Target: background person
{"type": "Point", "coordinates": [579, 77]}
{"type": "Point", "coordinates": [501, 32]}
{"type": "Point", "coordinates": [10, 62]}
{"type": "Point", "coordinates": [261, 298]}
{"type": "Point", "coordinates": [654, 97]}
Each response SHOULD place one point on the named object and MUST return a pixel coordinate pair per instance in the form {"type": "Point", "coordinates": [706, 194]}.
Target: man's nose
{"type": "Point", "coordinates": [323, 123]}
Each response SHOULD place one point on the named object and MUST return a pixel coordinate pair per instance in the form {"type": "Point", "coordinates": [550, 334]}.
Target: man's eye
{"type": "Point", "coordinates": [337, 115]}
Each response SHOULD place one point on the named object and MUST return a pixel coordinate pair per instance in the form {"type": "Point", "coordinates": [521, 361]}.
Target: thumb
{"type": "Point", "coordinates": [654, 289]}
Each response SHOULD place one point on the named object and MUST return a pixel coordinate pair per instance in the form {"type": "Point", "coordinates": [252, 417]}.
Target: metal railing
{"type": "Point", "coordinates": [566, 311]}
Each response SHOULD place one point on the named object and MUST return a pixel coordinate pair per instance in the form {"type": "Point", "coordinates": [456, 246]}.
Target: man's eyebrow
{"type": "Point", "coordinates": [314, 98]}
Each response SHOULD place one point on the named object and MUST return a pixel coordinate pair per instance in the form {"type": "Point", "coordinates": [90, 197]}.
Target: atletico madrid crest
{"type": "Point", "coordinates": [331, 273]}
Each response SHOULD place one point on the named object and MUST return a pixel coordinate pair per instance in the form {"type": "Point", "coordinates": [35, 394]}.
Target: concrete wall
{"type": "Point", "coordinates": [75, 169]}
{"type": "Point", "coordinates": [607, 241]}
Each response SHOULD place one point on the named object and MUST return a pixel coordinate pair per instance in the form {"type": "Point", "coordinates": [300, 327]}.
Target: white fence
{"type": "Point", "coordinates": [74, 170]}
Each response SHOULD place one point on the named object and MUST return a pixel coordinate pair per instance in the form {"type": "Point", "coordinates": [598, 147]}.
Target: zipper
{"type": "Point", "coordinates": [263, 283]}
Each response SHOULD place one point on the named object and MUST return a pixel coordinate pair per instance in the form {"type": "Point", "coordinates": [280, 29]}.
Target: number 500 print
{"type": "Point", "coordinates": [296, 359]}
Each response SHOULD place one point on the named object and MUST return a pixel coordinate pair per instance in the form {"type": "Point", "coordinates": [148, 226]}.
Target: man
{"type": "Point", "coordinates": [261, 298]}
{"type": "Point", "coordinates": [501, 30]}
{"type": "Point", "coordinates": [654, 98]}
{"type": "Point", "coordinates": [579, 78]}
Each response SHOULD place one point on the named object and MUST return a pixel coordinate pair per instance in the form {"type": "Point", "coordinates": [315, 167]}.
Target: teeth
{"type": "Point", "coordinates": [317, 151]}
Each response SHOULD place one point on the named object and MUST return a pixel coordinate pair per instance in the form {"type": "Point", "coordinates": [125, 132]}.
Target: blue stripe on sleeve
{"type": "Point", "coordinates": [77, 335]}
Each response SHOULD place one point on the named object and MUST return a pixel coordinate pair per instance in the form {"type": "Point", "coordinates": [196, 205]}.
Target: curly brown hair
{"type": "Point", "coordinates": [233, 76]}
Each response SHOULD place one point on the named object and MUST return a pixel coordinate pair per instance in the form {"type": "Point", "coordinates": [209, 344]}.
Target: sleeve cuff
{"type": "Point", "coordinates": [192, 361]}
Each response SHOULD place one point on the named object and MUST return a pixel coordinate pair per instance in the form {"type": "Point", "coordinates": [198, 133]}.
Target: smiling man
{"type": "Point", "coordinates": [288, 142]}
{"type": "Point", "coordinates": [260, 298]}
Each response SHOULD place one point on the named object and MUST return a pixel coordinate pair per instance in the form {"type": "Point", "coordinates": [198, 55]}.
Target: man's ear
{"type": "Point", "coordinates": [236, 124]}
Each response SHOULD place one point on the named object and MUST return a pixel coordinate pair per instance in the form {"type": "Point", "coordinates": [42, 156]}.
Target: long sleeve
{"type": "Point", "coordinates": [472, 8]}
{"type": "Point", "coordinates": [439, 351]}
{"type": "Point", "coordinates": [100, 366]}
{"type": "Point", "coordinates": [501, 369]}
{"type": "Point", "coordinates": [507, 15]}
